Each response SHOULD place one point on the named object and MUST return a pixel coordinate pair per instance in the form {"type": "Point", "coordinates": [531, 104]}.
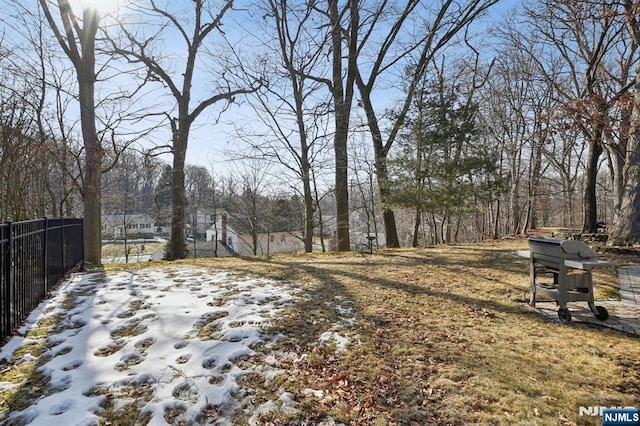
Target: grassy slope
{"type": "Point", "coordinates": [442, 337]}
{"type": "Point", "coordinates": [111, 250]}
{"type": "Point", "coordinates": [445, 338]}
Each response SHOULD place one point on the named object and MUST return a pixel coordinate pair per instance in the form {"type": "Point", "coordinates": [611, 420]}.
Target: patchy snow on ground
{"type": "Point", "coordinates": [181, 336]}
{"type": "Point", "coordinates": [336, 334]}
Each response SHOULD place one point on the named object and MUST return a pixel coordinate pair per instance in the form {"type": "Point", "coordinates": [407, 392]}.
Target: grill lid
{"type": "Point", "coordinates": [568, 249]}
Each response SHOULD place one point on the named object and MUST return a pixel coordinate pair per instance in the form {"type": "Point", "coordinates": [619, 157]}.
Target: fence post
{"type": "Point", "coordinates": [62, 249]}
{"type": "Point", "coordinates": [45, 252]}
{"type": "Point", "coordinates": [81, 240]}
{"type": "Point", "coordinates": [8, 279]}
{"type": "Point", "coordinates": [78, 241]}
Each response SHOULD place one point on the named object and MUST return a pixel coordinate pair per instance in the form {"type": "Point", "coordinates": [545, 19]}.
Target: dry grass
{"type": "Point", "coordinates": [442, 336]}
{"type": "Point", "coordinates": [445, 338]}
{"type": "Point", "coordinates": [25, 367]}
{"type": "Point", "coordinates": [117, 250]}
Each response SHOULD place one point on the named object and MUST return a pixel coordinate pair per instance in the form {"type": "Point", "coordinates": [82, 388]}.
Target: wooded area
{"type": "Point", "coordinates": [424, 122]}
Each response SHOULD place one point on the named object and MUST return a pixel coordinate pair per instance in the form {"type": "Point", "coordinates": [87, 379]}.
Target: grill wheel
{"type": "Point", "coordinates": [564, 314]}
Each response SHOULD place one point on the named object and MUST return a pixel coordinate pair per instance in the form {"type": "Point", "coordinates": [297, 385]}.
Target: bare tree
{"type": "Point", "coordinates": [292, 108]}
{"type": "Point", "coordinates": [517, 108]}
{"type": "Point", "coordinates": [594, 29]}
{"type": "Point", "coordinates": [77, 37]}
{"type": "Point", "coordinates": [344, 22]}
{"type": "Point", "coordinates": [364, 185]}
{"type": "Point", "coordinates": [129, 184]}
{"type": "Point", "coordinates": [627, 228]}
{"type": "Point", "coordinates": [205, 21]}
{"type": "Point", "coordinates": [249, 201]}
{"type": "Point", "coordinates": [26, 166]}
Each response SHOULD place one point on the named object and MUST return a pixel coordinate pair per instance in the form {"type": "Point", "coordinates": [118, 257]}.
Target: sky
{"type": "Point", "coordinates": [208, 143]}
{"type": "Point", "coordinates": [194, 334]}
{"type": "Point", "coordinates": [210, 138]}
{"type": "Point", "coordinates": [213, 135]}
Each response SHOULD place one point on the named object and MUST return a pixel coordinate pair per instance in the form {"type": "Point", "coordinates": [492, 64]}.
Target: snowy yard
{"type": "Point", "coordinates": [439, 335]}
{"type": "Point", "coordinates": [169, 344]}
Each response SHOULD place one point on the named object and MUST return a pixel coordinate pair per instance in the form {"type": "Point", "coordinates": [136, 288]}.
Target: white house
{"type": "Point", "coordinates": [271, 243]}
{"type": "Point", "coordinates": [242, 243]}
{"type": "Point", "coordinates": [117, 226]}
{"type": "Point", "coordinates": [221, 231]}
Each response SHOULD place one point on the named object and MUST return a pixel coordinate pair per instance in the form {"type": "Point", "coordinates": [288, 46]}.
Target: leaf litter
{"type": "Point", "coordinates": [433, 336]}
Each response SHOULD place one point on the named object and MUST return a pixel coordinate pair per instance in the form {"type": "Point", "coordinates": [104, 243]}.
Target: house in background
{"type": "Point", "coordinates": [222, 232]}
{"type": "Point", "coordinates": [196, 225]}
{"type": "Point", "coordinates": [234, 233]}
{"type": "Point", "coordinates": [271, 243]}
{"type": "Point", "coordinates": [121, 226]}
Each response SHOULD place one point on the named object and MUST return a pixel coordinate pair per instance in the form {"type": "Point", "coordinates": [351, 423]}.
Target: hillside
{"type": "Point", "coordinates": [439, 335]}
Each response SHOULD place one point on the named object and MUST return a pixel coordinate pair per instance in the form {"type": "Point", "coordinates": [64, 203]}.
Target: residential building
{"type": "Point", "coordinates": [121, 226]}
{"type": "Point", "coordinates": [236, 235]}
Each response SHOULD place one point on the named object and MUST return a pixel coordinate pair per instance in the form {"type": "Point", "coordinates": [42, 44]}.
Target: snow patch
{"type": "Point", "coordinates": [139, 332]}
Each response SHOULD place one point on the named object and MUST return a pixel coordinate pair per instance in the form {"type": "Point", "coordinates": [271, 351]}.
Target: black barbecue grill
{"type": "Point", "coordinates": [562, 270]}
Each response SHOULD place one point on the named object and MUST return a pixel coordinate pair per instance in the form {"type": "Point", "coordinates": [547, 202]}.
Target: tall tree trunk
{"type": "Point", "coordinates": [178, 246]}
{"type": "Point", "coordinates": [589, 202]}
{"type": "Point", "coordinates": [308, 213]}
{"type": "Point", "coordinates": [382, 173]}
{"type": "Point", "coordinates": [92, 183]}
{"type": "Point", "coordinates": [514, 204]}
{"type": "Point", "coordinates": [434, 228]}
{"type": "Point", "coordinates": [534, 184]}
{"type": "Point", "coordinates": [78, 44]}
{"type": "Point", "coordinates": [626, 230]}
{"type": "Point", "coordinates": [416, 228]}
{"type": "Point", "coordinates": [341, 186]}
{"type": "Point", "coordinates": [305, 169]}
{"type": "Point", "coordinates": [496, 222]}
{"type": "Point", "coordinates": [388, 216]}
{"type": "Point", "coordinates": [617, 154]}
{"type": "Point", "coordinates": [527, 218]}
{"type": "Point", "coordinates": [618, 183]}
{"type": "Point", "coordinates": [342, 97]}
{"type": "Point", "coordinates": [318, 209]}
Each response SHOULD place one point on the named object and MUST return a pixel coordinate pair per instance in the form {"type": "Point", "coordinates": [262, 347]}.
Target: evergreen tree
{"type": "Point", "coordinates": [445, 167]}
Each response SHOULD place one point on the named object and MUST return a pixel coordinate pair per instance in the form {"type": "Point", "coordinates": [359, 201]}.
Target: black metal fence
{"type": "Point", "coordinates": [34, 255]}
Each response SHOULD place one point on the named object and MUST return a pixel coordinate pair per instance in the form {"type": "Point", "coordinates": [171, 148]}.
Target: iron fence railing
{"type": "Point", "coordinates": [34, 255]}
